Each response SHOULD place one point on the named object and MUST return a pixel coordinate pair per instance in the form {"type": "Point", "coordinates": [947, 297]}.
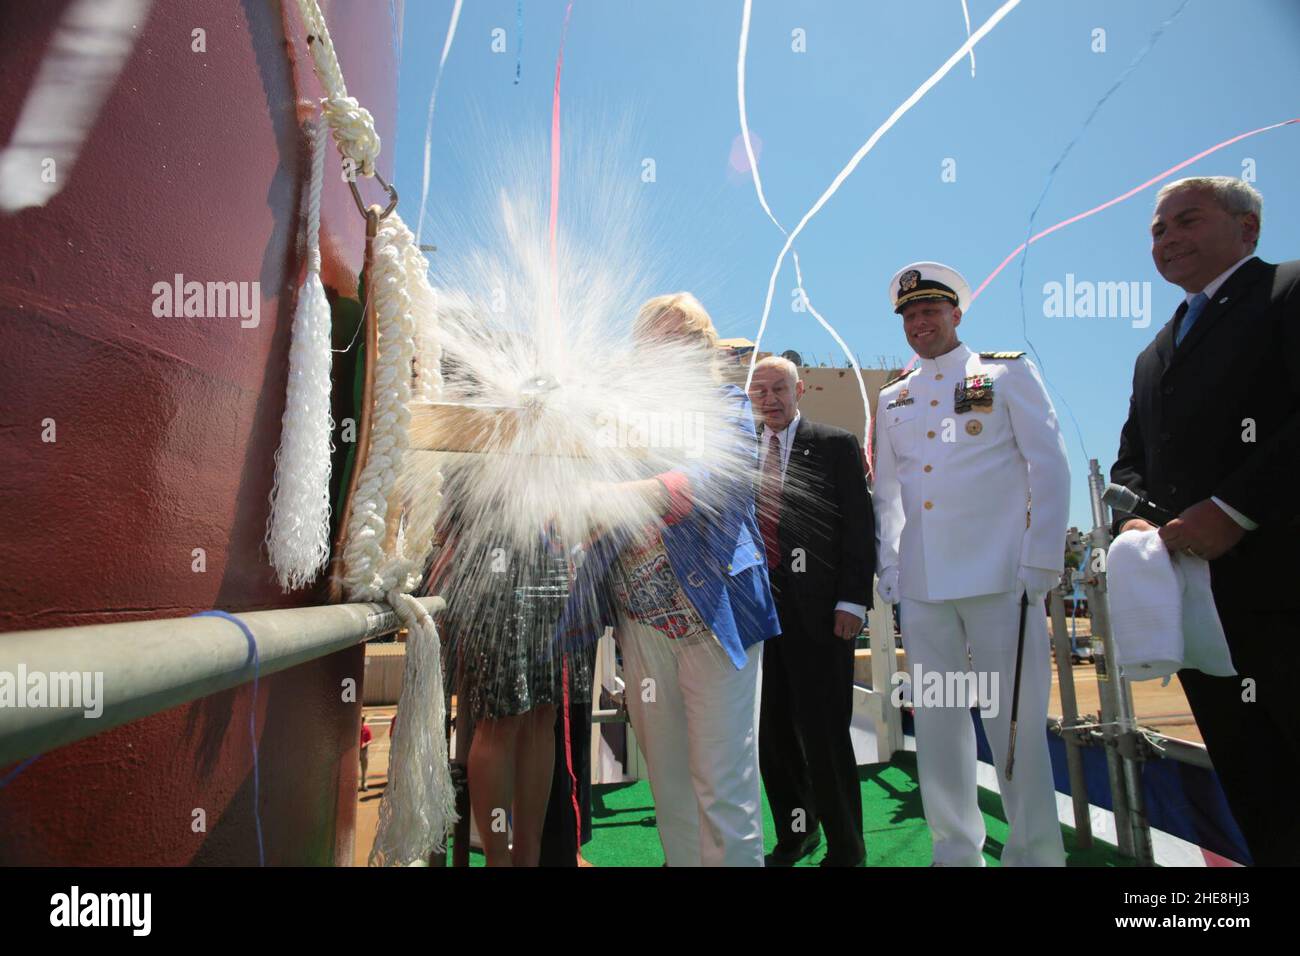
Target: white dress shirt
{"type": "Point", "coordinates": [786, 439]}
{"type": "Point", "coordinates": [1214, 286]}
{"type": "Point", "coordinates": [1209, 291]}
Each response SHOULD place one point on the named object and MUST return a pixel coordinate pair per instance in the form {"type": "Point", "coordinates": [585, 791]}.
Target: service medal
{"type": "Point", "coordinates": [975, 393]}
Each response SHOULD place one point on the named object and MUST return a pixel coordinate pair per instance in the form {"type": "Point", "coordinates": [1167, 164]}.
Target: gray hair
{"type": "Point", "coordinates": [781, 362]}
{"type": "Point", "coordinates": [1235, 196]}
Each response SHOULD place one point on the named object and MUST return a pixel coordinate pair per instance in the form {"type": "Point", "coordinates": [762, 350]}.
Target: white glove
{"type": "Point", "coordinates": [1036, 582]}
{"type": "Point", "coordinates": [887, 585]}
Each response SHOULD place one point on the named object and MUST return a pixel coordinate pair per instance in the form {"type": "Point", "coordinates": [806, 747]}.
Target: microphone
{"type": "Point", "coordinates": [1123, 499]}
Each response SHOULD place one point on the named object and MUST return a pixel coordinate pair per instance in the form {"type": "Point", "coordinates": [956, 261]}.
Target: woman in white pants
{"type": "Point", "coordinates": [689, 599]}
{"type": "Point", "coordinates": [693, 715]}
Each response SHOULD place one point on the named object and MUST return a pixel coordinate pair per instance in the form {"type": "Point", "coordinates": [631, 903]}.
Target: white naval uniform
{"type": "Point", "coordinates": [953, 514]}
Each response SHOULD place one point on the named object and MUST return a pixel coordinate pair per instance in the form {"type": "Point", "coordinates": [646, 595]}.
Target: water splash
{"type": "Point", "coordinates": [550, 406]}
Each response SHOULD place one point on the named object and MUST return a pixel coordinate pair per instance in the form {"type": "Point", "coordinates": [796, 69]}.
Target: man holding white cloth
{"type": "Point", "coordinates": [1213, 436]}
{"type": "Point", "coordinates": [965, 442]}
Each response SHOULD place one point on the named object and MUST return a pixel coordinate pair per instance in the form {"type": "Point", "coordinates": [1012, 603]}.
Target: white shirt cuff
{"type": "Point", "coordinates": [857, 610]}
{"type": "Point", "coordinates": [1236, 515]}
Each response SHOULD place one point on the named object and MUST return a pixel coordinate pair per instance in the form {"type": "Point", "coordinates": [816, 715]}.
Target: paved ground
{"type": "Point", "coordinates": [378, 718]}
{"type": "Point", "coordinates": [1161, 708]}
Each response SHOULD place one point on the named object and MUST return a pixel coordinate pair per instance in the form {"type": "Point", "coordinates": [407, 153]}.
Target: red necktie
{"type": "Point", "coordinates": [769, 501]}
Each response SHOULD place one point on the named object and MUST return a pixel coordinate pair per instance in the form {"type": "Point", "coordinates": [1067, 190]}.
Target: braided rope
{"type": "Point", "coordinates": [319, 131]}
{"type": "Point", "coordinates": [419, 805]}
{"type": "Point", "coordinates": [352, 124]}
{"type": "Point", "coordinates": [428, 350]}
{"type": "Point", "coordinates": [418, 808]}
{"type": "Point", "coordinates": [371, 572]}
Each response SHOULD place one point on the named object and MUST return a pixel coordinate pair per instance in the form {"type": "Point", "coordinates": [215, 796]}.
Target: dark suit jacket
{"type": "Point", "coordinates": [827, 530]}
{"type": "Point", "coordinates": [1183, 441]}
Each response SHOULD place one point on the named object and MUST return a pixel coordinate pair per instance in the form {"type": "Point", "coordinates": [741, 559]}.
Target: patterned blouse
{"type": "Point", "coordinates": [647, 591]}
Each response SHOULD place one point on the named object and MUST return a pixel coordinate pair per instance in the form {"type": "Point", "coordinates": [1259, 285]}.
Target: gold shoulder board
{"type": "Point", "coordinates": [1002, 355]}
{"type": "Point", "coordinates": [899, 378]}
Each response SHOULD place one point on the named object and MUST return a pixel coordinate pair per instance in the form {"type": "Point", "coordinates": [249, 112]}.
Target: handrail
{"type": "Point", "coordinates": [1155, 745]}
{"type": "Point", "coordinates": [146, 667]}
{"type": "Point", "coordinates": [1176, 748]}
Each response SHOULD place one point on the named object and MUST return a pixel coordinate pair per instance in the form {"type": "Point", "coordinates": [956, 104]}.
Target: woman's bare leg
{"type": "Point", "coordinates": [492, 783]}
{"type": "Point", "coordinates": [534, 765]}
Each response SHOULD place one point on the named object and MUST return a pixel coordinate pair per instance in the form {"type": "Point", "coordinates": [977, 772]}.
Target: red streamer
{"type": "Point", "coordinates": [555, 146]}
{"type": "Point", "coordinates": [1119, 199]}
{"type": "Point", "coordinates": [555, 288]}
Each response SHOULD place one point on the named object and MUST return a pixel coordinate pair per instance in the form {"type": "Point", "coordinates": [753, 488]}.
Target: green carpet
{"type": "Point", "coordinates": [624, 834]}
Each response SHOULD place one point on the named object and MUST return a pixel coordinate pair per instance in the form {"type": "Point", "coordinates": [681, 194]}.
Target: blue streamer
{"type": "Point", "coordinates": [252, 725]}
{"type": "Point", "coordinates": [1051, 176]}
{"type": "Point", "coordinates": [13, 774]}
{"type": "Point", "coordinates": [519, 32]}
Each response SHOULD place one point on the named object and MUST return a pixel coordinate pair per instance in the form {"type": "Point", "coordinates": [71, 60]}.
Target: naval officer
{"type": "Point", "coordinates": [972, 499]}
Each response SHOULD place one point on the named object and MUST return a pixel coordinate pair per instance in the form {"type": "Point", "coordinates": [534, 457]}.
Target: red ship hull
{"type": "Point", "coordinates": [166, 428]}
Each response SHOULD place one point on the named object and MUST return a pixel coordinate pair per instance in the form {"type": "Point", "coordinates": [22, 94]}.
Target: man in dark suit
{"type": "Point", "coordinates": [818, 530]}
{"type": "Point", "coordinates": [1213, 435]}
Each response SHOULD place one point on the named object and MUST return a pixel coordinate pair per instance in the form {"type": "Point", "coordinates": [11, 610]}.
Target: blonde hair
{"type": "Point", "coordinates": [694, 318]}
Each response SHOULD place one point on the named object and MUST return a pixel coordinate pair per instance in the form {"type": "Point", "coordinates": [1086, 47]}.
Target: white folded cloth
{"type": "Point", "coordinates": [1162, 610]}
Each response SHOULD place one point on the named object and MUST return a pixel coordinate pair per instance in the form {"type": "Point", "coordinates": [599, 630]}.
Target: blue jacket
{"type": "Point", "coordinates": [716, 552]}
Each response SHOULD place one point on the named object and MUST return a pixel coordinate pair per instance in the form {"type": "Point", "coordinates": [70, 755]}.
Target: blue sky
{"type": "Point", "coordinates": [668, 69]}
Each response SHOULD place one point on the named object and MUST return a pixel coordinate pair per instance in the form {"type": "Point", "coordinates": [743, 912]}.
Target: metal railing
{"type": "Point", "coordinates": [139, 668]}
{"type": "Point", "coordinates": [1128, 746]}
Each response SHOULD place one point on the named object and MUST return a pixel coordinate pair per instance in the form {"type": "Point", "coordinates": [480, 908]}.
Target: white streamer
{"type": "Point", "coordinates": [861, 154]}
{"type": "Point", "coordinates": [428, 125]}
{"type": "Point", "coordinates": [762, 200]}
{"type": "Point", "coordinates": [965, 12]}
